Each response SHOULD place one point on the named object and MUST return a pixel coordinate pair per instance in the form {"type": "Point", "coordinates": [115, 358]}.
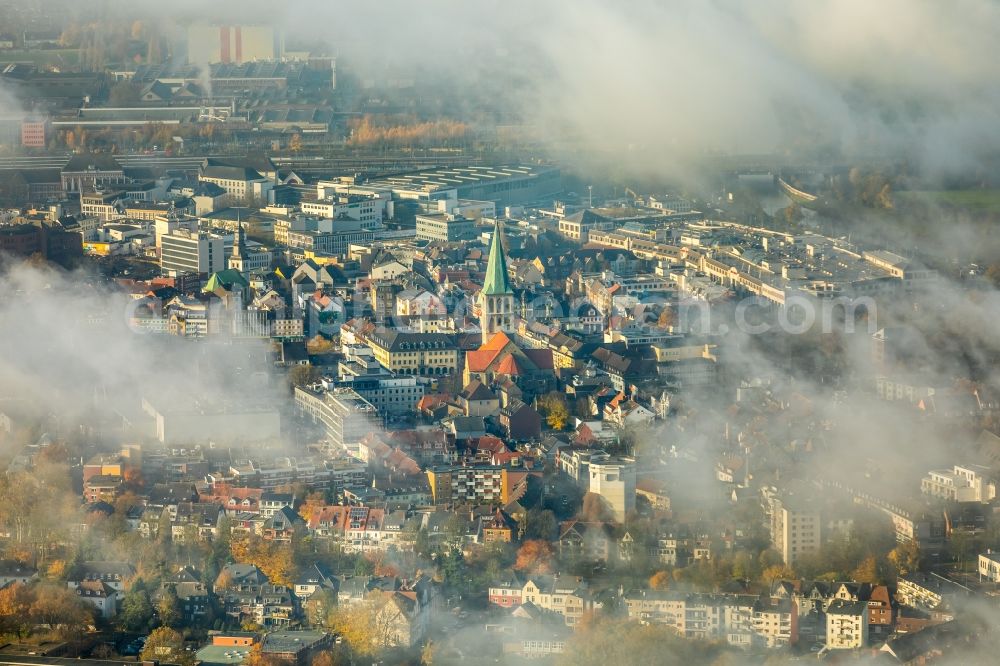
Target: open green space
{"type": "Point", "coordinates": [982, 200]}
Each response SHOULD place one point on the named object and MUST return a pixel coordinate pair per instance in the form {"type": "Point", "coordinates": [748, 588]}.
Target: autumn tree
{"type": "Point", "coordinates": [303, 375]}
{"type": "Point", "coordinates": [318, 607]}
{"type": "Point", "coordinates": [555, 408]}
{"type": "Point", "coordinates": [667, 317]}
{"type": "Point", "coordinates": [15, 604]}
{"type": "Point", "coordinates": [535, 556]}
{"type": "Point", "coordinates": [58, 570]}
{"type": "Point", "coordinates": [295, 143]}
{"type": "Point", "coordinates": [660, 580]}
{"type": "Point", "coordinates": [224, 580]}
{"type": "Point", "coordinates": [356, 626]}
{"type": "Point", "coordinates": [313, 503]}
{"type": "Point", "coordinates": [167, 645]}
{"type": "Point", "coordinates": [319, 345]}
{"type": "Point", "coordinates": [275, 560]}
{"type": "Point", "coordinates": [905, 558]}
{"type": "Point", "coordinates": [323, 659]}
{"type": "Point", "coordinates": [59, 606]}
{"type": "Point", "coordinates": [777, 572]}
{"type": "Point", "coordinates": [257, 657]}
{"type": "Point", "coordinates": [366, 132]}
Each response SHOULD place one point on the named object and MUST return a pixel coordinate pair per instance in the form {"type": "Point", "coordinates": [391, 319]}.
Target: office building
{"type": "Point", "coordinates": [183, 251]}
{"type": "Point", "coordinates": [445, 228]}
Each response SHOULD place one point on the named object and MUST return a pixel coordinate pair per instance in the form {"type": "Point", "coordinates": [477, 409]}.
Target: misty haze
{"type": "Point", "coordinates": [443, 332]}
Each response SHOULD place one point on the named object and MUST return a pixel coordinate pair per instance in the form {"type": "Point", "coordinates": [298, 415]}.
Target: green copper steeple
{"type": "Point", "coordinates": [496, 281]}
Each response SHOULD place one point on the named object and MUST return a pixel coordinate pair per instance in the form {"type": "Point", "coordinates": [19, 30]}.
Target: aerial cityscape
{"type": "Point", "coordinates": [442, 332]}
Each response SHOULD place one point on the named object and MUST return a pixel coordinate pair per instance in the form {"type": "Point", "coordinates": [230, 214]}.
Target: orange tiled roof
{"type": "Point", "coordinates": [497, 342]}
{"type": "Point", "coordinates": [509, 366]}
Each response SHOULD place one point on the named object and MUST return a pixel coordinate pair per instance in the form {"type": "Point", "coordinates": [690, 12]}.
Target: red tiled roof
{"type": "Point", "coordinates": [480, 359]}
{"type": "Point", "coordinates": [509, 366]}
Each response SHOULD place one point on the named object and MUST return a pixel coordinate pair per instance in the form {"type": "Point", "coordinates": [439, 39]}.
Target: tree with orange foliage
{"type": "Point", "coordinates": [256, 657]}
{"type": "Point", "coordinates": [866, 571]}
{"type": "Point", "coordinates": [133, 478]}
{"type": "Point", "coordinates": [365, 133]}
{"type": "Point", "coordinates": [275, 560]}
{"type": "Point", "coordinates": [660, 580]}
{"type": "Point", "coordinates": [15, 603]}
{"type": "Point", "coordinates": [239, 548]}
{"type": "Point", "coordinates": [535, 556]}
{"type": "Point", "coordinates": [777, 572]}
{"type": "Point", "coordinates": [313, 504]}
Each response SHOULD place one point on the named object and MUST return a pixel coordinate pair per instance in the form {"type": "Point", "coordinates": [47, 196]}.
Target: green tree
{"type": "Point", "coordinates": [422, 544]}
{"type": "Point", "coordinates": [137, 611]}
{"type": "Point", "coordinates": [539, 524]}
{"type": "Point", "coordinates": [168, 607]}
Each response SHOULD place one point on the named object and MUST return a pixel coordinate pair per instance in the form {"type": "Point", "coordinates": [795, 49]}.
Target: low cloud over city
{"type": "Point", "coordinates": [459, 333]}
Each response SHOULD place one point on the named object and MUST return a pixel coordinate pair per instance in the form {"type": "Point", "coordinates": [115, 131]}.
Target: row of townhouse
{"type": "Point", "coordinates": [740, 620]}
{"type": "Point", "coordinates": [566, 596]}
{"type": "Point", "coordinates": [204, 521]}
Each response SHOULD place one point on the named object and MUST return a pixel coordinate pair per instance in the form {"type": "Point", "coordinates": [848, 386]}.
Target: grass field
{"type": "Point", "coordinates": [980, 200]}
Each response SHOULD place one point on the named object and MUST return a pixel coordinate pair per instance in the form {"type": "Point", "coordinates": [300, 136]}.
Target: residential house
{"type": "Point", "coordinates": [587, 541]}
{"type": "Point", "coordinates": [116, 575]}
{"type": "Point", "coordinates": [564, 595]}
{"type": "Point", "coordinates": [100, 595]}
{"type": "Point", "coordinates": [497, 528]}
{"type": "Point", "coordinates": [192, 594]}
{"type": "Point", "coordinates": [12, 571]}
{"type": "Point", "coordinates": [282, 525]}
{"type": "Point", "coordinates": [520, 421]}
{"type": "Point", "coordinates": [401, 619]}
{"type": "Point", "coordinates": [506, 592]}
{"type": "Point", "coordinates": [847, 625]}
{"type": "Point", "coordinates": [477, 400]}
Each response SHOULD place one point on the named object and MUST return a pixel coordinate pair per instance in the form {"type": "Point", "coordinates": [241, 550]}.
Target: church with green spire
{"type": "Point", "coordinates": [496, 300]}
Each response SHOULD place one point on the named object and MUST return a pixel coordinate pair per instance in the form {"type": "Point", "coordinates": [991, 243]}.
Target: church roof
{"type": "Point", "coordinates": [509, 366]}
{"type": "Point", "coordinates": [496, 281]}
{"type": "Point", "coordinates": [226, 279]}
